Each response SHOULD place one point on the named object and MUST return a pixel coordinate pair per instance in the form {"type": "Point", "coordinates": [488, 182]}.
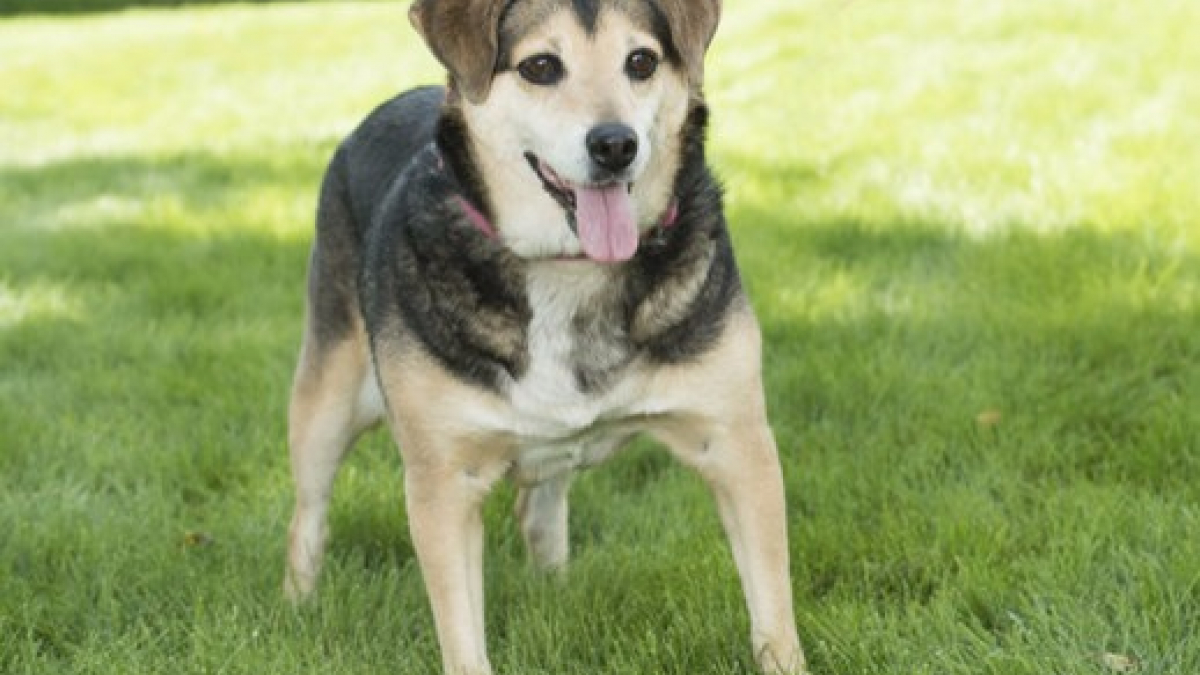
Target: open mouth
{"type": "Point", "coordinates": [601, 216]}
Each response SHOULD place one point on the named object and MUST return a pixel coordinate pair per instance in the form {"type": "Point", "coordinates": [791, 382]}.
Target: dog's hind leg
{"type": "Point", "coordinates": [542, 514]}
{"type": "Point", "coordinates": [334, 399]}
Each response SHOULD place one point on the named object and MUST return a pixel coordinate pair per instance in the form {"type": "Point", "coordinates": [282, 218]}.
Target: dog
{"type": "Point", "coordinates": [519, 272]}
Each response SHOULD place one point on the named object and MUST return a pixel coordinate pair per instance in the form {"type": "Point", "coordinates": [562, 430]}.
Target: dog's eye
{"type": "Point", "coordinates": [543, 69]}
{"type": "Point", "coordinates": [641, 65]}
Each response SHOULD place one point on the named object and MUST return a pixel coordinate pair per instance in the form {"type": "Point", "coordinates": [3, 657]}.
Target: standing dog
{"type": "Point", "coordinates": [519, 273]}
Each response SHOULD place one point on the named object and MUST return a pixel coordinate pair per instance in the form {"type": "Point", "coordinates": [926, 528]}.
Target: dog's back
{"type": "Point", "coordinates": [366, 165]}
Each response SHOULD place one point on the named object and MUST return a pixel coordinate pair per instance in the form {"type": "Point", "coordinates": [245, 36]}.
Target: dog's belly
{"type": "Point", "coordinates": [540, 460]}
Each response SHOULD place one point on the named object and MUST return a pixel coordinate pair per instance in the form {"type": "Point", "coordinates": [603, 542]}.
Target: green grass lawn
{"type": "Point", "coordinates": [972, 232]}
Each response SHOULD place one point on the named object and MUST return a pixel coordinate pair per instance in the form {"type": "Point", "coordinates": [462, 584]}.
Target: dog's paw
{"type": "Point", "coordinates": [298, 589]}
{"type": "Point", "coordinates": [781, 658]}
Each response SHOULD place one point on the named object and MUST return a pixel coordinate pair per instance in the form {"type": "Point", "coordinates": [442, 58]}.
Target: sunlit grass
{"type": "Point", "coordinates": [970, 230]}
{"type": "Point", "coordinates": [984, 115]}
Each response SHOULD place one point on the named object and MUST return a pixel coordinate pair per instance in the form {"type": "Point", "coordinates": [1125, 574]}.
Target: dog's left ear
{"type": "Point", "coordinates": [693, 23]}
{"type": "Point", "coordinates": [464, 36]}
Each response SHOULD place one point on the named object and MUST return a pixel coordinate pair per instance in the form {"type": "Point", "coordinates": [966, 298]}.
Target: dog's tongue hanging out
{"type": "Point", "coordinates": [607, 228]}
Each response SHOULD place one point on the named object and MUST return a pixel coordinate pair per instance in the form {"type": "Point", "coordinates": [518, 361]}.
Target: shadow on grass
{"type": "Point", "coordinates": [145, 297]}
{"type": "Point", "coordinates": [164, 301]}
{"type": "Point", "coordinates": [198, 191]}
{"type": "Point", "coordinates": [930, 387]}
{"type": "Point", "coordinates": [189, 237]}
{"type": "Point", "coordinates": [1085, 331]}
{"type": "Point", "coordinates": [1089, 332]}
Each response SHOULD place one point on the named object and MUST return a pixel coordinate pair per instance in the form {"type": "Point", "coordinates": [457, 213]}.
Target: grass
{"type": "Point", "coordinates": [971, 233]}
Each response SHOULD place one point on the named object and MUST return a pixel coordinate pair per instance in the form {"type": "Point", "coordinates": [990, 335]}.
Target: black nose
{"type": "Point", "coordinates": [612, 146]}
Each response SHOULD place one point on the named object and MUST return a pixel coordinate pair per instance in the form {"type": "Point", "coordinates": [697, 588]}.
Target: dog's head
{"type": "Point", "coordinates": [585, 98]}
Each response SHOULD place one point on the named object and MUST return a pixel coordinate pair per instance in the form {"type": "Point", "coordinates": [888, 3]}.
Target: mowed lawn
{"type": "Point", "coordinates": [972, 233]}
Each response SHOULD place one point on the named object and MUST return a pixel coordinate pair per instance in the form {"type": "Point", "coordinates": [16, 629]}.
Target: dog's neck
{"type": "Point", "coordinates": [457, 157]}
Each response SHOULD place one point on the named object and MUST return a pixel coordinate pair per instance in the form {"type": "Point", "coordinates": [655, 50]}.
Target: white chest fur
{"type": "Point", "coordinates": [559, 424]}
{"type": "Point", "coordinates": [548, 400]}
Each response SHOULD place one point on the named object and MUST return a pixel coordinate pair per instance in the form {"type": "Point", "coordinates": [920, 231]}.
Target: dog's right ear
{"type": "Point", "coordinates": [464, 36]}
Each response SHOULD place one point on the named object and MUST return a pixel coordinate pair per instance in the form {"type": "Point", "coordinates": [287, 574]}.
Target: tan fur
{"type": "Point", "coordinates": [448, 470]}
{"type": "Point", "coordinates": [334, 399]}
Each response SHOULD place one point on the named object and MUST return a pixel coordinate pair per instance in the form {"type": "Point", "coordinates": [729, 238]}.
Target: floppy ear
{"type": "Point", "coordinates": [464, 36]}
{"type": "Point", "coordinates": [692, 23]}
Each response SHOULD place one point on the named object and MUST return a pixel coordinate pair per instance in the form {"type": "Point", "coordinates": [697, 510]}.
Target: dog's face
{"type": "Point", "coordinates": [578, 118]}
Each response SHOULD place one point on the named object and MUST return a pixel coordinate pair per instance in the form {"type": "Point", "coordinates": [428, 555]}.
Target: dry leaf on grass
{"type": "Point", "coordinates": [1120, 663]}
{"type": "Point", "coordinates": [197, 539]}
{"type": "Point", "coordinates": [988, 418]}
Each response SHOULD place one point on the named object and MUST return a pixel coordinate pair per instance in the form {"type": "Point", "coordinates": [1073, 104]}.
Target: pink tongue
{"type": "Point", "coordinates": [607, 229]}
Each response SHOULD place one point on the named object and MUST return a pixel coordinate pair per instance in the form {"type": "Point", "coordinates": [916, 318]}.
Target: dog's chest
{"type": "Point", "coordinates": [582, 375]}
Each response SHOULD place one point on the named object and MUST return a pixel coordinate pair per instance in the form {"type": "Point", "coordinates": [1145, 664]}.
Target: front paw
{"type": "Point", "coordinates": [781, 658]}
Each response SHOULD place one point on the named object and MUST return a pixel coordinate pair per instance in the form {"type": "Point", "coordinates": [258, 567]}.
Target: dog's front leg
{"type": "Point", "coordinates": [748, 487]}
{"type": "Point", "coordinates": [737, 457]}
{"type": "Point", "coordinates": [443, 502]}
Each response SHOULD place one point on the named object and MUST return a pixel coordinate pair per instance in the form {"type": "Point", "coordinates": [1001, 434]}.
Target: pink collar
{"type": "Point", "coordinates": [477, 219]}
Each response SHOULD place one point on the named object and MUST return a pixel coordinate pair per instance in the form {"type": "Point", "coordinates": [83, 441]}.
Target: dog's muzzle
{"type": "Point", "coordinates": [601, 216]}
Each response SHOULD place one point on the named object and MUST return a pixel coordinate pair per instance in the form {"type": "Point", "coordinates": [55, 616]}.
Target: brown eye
{"type": "Point", "coordinates": [542, 69]}
{"type": "Point", "coordinates": [641, 64]}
